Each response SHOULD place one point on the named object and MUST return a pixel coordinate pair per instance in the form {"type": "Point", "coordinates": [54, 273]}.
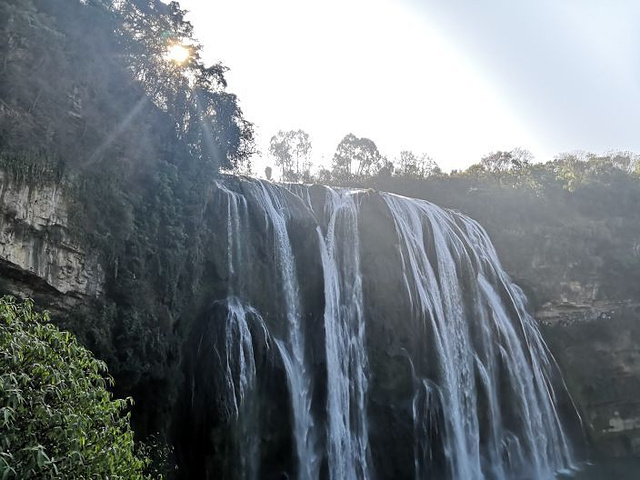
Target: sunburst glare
{"type": "Point", "coordinates": [178, 53]}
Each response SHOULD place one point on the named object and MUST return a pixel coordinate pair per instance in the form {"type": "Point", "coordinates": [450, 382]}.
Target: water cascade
{"type": "Point", "coordinates": [498, 350]}
{"type": "Point", "coordinates": [345, 343]}
{"type": "Point", "coordinates": [292, 348]}
{"type": "Point", "coordinates": [368, 335]}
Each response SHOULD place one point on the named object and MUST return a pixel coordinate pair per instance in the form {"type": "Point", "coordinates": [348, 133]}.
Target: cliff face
{"type": "Point", "coordinates": [577, 256]}
{"type": "Point", "coordinates": [584, 291]}
{"type": "Point", "coordinates": [39, 257]}
{"type": "Point", "coordinates": [598, 347]}
{"type": "Point", "coordinates": [594, 335]}
{"type": "Point", "coordinates": [383, 326]}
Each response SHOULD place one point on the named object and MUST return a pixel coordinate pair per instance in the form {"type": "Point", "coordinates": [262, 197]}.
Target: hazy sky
{"type": "Point", "coordinates": [455, 79]}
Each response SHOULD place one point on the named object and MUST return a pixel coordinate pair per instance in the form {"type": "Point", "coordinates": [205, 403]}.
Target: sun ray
{"type": "Point", "coordinates": [178, 53]}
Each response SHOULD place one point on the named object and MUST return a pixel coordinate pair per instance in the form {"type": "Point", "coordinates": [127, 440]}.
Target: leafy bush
{"type": "Point", "coordinates": [57, 419]}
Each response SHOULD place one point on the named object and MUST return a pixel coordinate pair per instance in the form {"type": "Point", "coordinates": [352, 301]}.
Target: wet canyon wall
{"type": "Point", "coordinates": [338, 334]}
{"type": "Point", "coordinates": [576, 255]}
{"type": "Point", "coordinates": [364, 335]}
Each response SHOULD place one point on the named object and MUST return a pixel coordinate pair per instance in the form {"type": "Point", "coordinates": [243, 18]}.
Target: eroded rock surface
{"type": "Point", "coordinates": [598, 347]}
{"type": "Point", "coordinates": [39, 255]}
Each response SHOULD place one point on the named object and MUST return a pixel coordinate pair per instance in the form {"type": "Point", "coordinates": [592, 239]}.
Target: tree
{"type": "Point", "coordinates": [57, 419]}
{"type": "Point", "coordinates": [386, 169]}
{"type": "Point", "coordinates": [416, 166]}
{"type": "Point", "coordinates": [629, 162]}
{"type": "Point", "coordinates": [280, 149]}
{"type": "Point", "coordinates": [572, 169]}
{"type": "Point", "coordinates": [216, 131]}
{"type": "Point", "coordinates": [324, 176]}
{"type": "Point", "coordinates": [579, 168]}
{"type": "Point", "coordinates": [206, 117]}
{"type": "Point", "coordinates": [268, 172]}
{"type": "Point", "coordinates": [355, 156]}
{"type": "Point", "coordinates": [504, 161]}
{"type": "Point", "coordinates": [301, 144]}
{"type": "Point", "coordinates": [291, 150]}
{"type": "Point", "coordinates": [85, 80]}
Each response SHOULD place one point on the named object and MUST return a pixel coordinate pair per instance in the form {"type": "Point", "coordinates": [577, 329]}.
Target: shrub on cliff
{"type": "Point", "coordinates": [57, 419]}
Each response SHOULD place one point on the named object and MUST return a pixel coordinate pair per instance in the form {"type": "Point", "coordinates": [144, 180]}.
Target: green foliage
{"type": "Point", "coordinates": [90, 82]}
{"type": "Point", "coordinates": [579, 169]}
{"type": "Point", "coordinates": [577, 217]}
{"type": "Point", "coordinates": [161, 457]}
{"type": "Point", "coordinates": [57, 419]}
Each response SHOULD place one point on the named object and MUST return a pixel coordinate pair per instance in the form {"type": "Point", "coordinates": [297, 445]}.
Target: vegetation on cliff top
{"type": "Point", "coordinates": [576, 216]}
{"type": "Point", "coordinates": [94, 84]}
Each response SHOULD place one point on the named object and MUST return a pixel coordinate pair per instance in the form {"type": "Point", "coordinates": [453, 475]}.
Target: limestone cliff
{"type": "Point", "coordinates": [576, 255]}
{"type": "Point", "coordinates": [598, 347]}
{"type": "Point", "coordinates": [39, 256]}
{"type": "Point", "coordinates": [594, 336]}
{"type": "Point", "coordinates": [580, 277]}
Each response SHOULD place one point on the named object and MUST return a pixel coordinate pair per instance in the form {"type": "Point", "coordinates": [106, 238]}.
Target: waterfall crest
{"type": "Point", "coordinates": [395, 330]}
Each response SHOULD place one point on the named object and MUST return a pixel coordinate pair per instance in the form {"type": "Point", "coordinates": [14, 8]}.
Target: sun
{"type": "Point", "coordinates": [178, 53]}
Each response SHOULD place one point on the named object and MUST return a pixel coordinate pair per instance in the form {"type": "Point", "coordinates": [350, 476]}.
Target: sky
{"type": "Point", "coordinates": [455, 79]}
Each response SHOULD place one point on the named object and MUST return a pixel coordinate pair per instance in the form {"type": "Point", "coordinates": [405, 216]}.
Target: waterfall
{"type": "Point", "coordinates": [240, 373]}
{"type": "Point", "coordinates": [237, 217]}
{"type": "Point", "coordinates": [477, 399]}
{"type": "Point", "coordinates": [345, 342]}
{"type": "Point", "coordinates": [292, 348]}
{"type": "Point", "coordinates": [507, 349]}
{"type": "Point", "coordinates": [229, 346]}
